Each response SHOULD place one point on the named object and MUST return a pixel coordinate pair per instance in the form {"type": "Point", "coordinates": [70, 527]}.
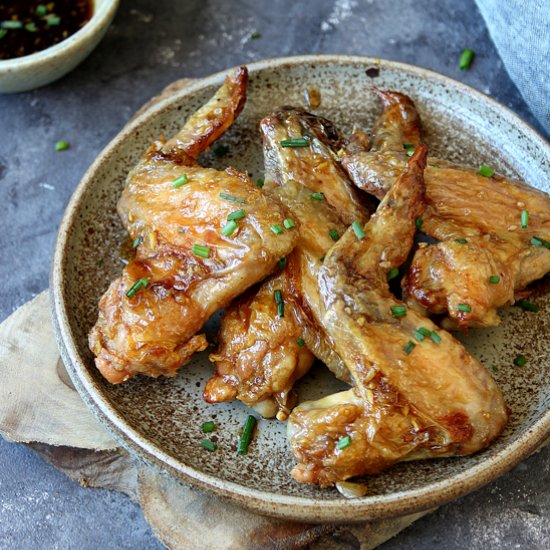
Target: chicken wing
{"type": "Point", "coordinates": [203, 237]}
{"type": "Point", "coordinates": [261, 354]}
{"type": "Point", "coordinates": [485, 255]}
{"type": "Point", "coordinates": [418, 393]}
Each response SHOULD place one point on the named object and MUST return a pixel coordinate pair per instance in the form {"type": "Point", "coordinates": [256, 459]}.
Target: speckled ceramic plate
{"type": "Point", "coordinates": [159, 420]}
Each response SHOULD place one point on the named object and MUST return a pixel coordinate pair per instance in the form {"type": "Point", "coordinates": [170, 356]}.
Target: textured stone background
{"type": "Point", "coordinates": [151, 43]}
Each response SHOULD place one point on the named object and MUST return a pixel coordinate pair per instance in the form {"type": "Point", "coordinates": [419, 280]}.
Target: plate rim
{"type": "Point", "coordinates": [285, 506]}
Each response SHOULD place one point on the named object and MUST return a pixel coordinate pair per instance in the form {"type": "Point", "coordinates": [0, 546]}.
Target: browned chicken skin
{"type": "Point", "coordinates": [172, 204]}
{"type": "Point", "coordinates": [260, 354]}
{"type": "Point", "coordinates": [476, 218]}
{"type": "Point", "coordinates": [415, 395]}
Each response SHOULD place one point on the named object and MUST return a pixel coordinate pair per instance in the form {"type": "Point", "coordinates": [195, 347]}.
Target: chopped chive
{"type": "Point", "coordinates": [344, 442]}
{"type": "Point", "coordinates": [260, 183]}
{"type": "Point", "coordinates": [419, 222]}
{"type": "Point", "coordinates": [281, 309]}
{"type": "Point", "coordinates": [435, 337]}
{"type": "Point", "coordinates": [520, 360]}
{"type": "Point", "coordinates": [3, 33]}
{"type": "Point", "coordinates": [296, 142]}
{"type": "Point", "coordinates": [231, 198]}
{"type": "Point", "coordinates": [31, 27]}
{"type": "Point", "coordinates": [537, 241]}
{"type": "Point", "coordinates": [277, 229]}
{"type": "Point", "coordinates": [229, 228]}
{"type": "Point", "coordinates": [11, 25]}
{"type": "Point", "coordinates": [181, 180]}
{"type": "Point", "coordinates": [409, 346]}
{"type": "Point", "coordinates": [465, 60]}
{"type": "Point", "coordinates": [407, 145]}
{"type": "Point", "coordinates": [220, 150]}
{"type": "Point", "coordinates": [398, 311]}
{"type": "Point", "coordinates": [288, 223]}
{"type": "Point", "coordinates": [208, 427]}
{"type": "Point", "coordinates": [317, 196]}
{"type": "Point", "coordinates": [62, 145]}
{"type": "Point", "coordinates": [333, 234]}
{"type": "Point", "coordinates": [208, 445]}
{"type": "Point", "coordinates": [393, 273]}
{"type": "Point", "coordinates": [485, 171]}
{"type": "Point", "coordinates": [461, 241]}
{"type": "Point", "coordinates": [137, 242]}
{"type": "Point", "coordinates": [41, 10]}
{"type": "Point", "coordinates": [524, 218]}
{"type": "Point", "coordinates": [527, 306]}
{"type": "Point", "coordinates": [255, 35]}
{"type": "Point", "coordinates": [425, 331]}
{"type": "Point", "coordinates": [237, 215]}
{"type": "Point", "coordinates": [464, 307]}
{"type": "Point", "coordinates": [418, 335]}
{"type": "Point", "coordinates": [200, 250]}
{"type": "Point", "coordinates": [53, 21]}
{"type": "Point", "coordinates": [246, 435]}
{"type": "Point", "coordinates": [282, 263]}
{"type": "Point", "coordinates": [410, 152]}
{"type": "Point", "coordinates": [494, 279]}
{"type": "Point", "coordinates": [358, 230]}
{"type": "Point", "coordinates": [137, 286]}
{"type": "Point", "coordinates": [301, 342]}
{"type": "Point", "coordinates": [280, 303]}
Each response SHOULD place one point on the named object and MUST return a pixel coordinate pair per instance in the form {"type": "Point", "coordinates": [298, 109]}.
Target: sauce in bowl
{"type": "Point", "coordinates": [29, 26]}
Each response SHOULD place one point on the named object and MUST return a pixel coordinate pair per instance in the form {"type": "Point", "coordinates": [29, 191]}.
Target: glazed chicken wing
{"type": "Point", "coordinates": [418, 393]}
{"type": "Point", "coordinates": [203, 238]}
{"type": "Point", "coordinates": [261, 353]}
{"type": "Point", "coordinates": [485, 255]}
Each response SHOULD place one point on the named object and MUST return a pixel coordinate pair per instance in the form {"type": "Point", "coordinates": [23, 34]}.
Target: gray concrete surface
{"type": "Point", "coordinates": [152, 43]}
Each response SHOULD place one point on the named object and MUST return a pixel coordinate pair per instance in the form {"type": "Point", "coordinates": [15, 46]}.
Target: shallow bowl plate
{"type": "Point", "coordinates": [160, 420]}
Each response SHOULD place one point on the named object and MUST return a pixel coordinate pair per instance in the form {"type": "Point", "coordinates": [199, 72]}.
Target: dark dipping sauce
{"type": "Point", "coordinates": [29, 26]}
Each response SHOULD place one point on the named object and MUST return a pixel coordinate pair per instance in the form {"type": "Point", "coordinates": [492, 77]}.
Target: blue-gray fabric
{"type": "Point", "coordinates": [520, 30]}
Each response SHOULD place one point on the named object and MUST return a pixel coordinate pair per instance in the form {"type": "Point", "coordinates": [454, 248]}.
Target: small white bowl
{"type": "Point", "coordinates": [32, 71]}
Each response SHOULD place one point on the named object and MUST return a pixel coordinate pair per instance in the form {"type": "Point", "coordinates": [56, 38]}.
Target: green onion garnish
{"type": "Point", "coordinates": [31, 27]}
{"type": "Point", "coordinates": [277, 229]}
{"type": "Point", "coordinates": [408, 145]}
{"type": "Point", "coordinates": [296, 142]}
{"type": "Point", "coordinates": [301, 342]}
{"type": "Point", "coordinates": [317, 196]}
{"type": "Point", "coordinates": [537, 241]}
{"type": "Point", "coordinates": [527, 306]}
{"type": "Point", "coordinates": [419, 222]}
{"type": "Point", "coordinates": [461, 241]}
{"type": "Point", "coordinates": [137, 286]}
{"type": "Point", "coordinates": [280, 303]}
{"type": "Point", "coordinates": [398, 311]}
{"type": "Point", "coordinates": [208, 427]}
{"type": "Point", "coordinates": [220, 150]}
{"type": "Point", "coordinates": [246, 435]}
{"type": "Point", "coordinates": [410, 152]}
{"type": "Point", "coordinates": [393, 273]}
{"type": "Point", "coordinates": [229, 228]}
{"type": "Point", "coordinates": [53, 21]}
{"type": "Point", "coordinates": [435, 337]}
{"type": "Point", "coordinates": [409, 347]}
{"type": "Point", "coordinates": [208, 445]}
{"type": "Point", "coordinates": [237, 215]}
{"type": "Point", "coordinates": [181, 180]}
{"type": "Point", "coordinates": [260, 183]}
{"type": "Point", "coordinates": [358, 230]}
{"type": "Point", "coordinates": [520, 360]}
{"type": "Point", "coordinates": [494, 279]}
{"type": "Point", "coordinates": [282, 263]}
{"type": "Point", "coordinates": [3, 33]}
{"type": "Point", "coordinates": [344, 442]}
{"type": "Point", "coordinates": [418, 335]}
{"type": "Point", "coordinates": [255, 35]}
{"type": "Point", "coordinates": [200, 250]}
{"type": "Point", "coordinates": [485, 171]}
{"type": "Point", "coordinates": [466, 58]}
{"type": "Point", "coordinates": [524, 218]}
{"type": "Point", "coordinates": [11, 25]}
{"type": "Point", "coordinates": [425, 331]}
{"type": "Point", "coordinates": [137, 242]}
{"type": "Point", "coordinates": [62, 145]}
{"type": "Point", "coordinates": [231, 198]}
{"type": "Point", "coordinates": [464, 307]}
{"type": "Point", "coordinates": [288, 223]}
{"type": "Point", "coordinates": [333, 234]}
{"type": "Point", "coordinates": [41, 10]}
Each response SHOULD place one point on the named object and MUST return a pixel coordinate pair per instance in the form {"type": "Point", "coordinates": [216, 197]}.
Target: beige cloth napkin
{"type": "Point", "coordinates": [40, 407]}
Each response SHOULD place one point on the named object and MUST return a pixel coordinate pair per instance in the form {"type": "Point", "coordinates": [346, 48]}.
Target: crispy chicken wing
{"type": "Point", "coordinates": [418, 393]}
{"type": "Point", "coordinates": [186, 267]}
{"type": "Point", "coordinates": [260, 353]}
{"type": "Point", "coordinates": [476, 218]}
